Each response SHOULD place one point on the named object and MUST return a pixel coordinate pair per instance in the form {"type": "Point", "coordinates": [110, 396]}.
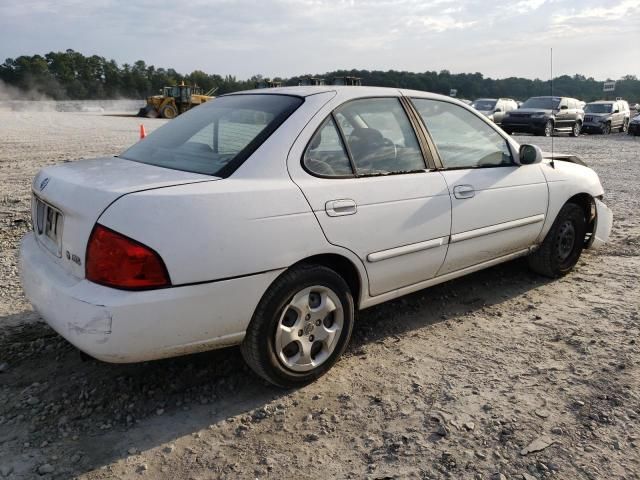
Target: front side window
{"type": "Point", "coordinates": [216, 137]}
{"type": "Point", "coordinates": [463, 140]}
{"type": "Point", "coordinates": [380, 137]}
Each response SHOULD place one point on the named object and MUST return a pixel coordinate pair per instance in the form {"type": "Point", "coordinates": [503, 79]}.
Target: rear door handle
{"type": "Point", "coordinates": [337, 208]}
{"type": "Point", "coordinates": [464, 191]}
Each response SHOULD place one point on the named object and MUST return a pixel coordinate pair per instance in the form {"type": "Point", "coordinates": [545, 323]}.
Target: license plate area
{"type": "Point", "coordinates": [47, 225]}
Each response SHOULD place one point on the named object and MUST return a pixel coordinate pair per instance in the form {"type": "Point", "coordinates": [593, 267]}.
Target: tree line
{"type": "Point", "coordinates": [74, 76]}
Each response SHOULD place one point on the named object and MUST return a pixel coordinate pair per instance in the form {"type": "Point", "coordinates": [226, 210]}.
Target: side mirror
{"type": "Point", "coordinates": [498, 110]}
{"type": "Point", "coordinates": [617, 110]}
{"type": "Point", "coordinates": [530, 154]}
{"type": "Point", "coordinates": [564, 107]}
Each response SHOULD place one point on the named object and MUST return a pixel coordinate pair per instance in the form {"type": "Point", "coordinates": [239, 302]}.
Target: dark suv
{"type": "Point", "coordinates": [604, 116]}
{"type": "Point", "coordinates": [546, 115]}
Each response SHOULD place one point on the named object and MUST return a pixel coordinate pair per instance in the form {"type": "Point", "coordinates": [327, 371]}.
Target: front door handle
{"type": "Point", "coordinates": [464, 191]}
{"type": "Point", "coordinates": [337, 208]}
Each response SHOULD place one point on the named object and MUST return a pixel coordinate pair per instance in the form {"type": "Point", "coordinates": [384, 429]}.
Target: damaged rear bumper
{"type": "Point", "coordinates": [124, 326]}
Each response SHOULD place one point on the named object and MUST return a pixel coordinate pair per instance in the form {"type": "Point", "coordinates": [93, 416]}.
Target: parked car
{"type": "Point", "coordinates": [604, 116]}
{"type": "Point", "coordinates": [544, 116]}
{"type": "Point", "coordinates": [268, 218]}
{"type": "Point", "coordinates": [634, 126]}
{"type": "Point", "coordinates": [495, 108]}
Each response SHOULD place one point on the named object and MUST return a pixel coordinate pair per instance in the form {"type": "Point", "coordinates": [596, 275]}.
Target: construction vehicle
{"type": "Point", "coordinates": [175, 100]}
{"type": "Point", "coordinates": [268, 84]}
{"type": "Point", "coordinates": [311, 81]}
{"type": "Point", "coordinates": [353, 81]}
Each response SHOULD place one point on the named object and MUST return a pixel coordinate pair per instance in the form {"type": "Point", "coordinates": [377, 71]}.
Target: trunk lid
{"type": "Point", "coordinates": [68, 199]}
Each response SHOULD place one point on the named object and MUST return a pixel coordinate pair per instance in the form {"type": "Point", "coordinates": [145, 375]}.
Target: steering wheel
{"type": "Point", "coordinates": [390, 143]}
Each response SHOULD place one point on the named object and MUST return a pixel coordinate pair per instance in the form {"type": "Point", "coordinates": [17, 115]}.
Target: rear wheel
{"type": "Point", "coordinates": [301, 326]}
{"type": "Point", "coordinates": [561, 248]}
{"type": "Point", "coordinates": [606, 129]}
{"type": "Point", "coordinates": [169, 111]}
{"type": "Point", "coordinates": [575, 131]}
{"type": "Point", "coordinates": [625, 126]}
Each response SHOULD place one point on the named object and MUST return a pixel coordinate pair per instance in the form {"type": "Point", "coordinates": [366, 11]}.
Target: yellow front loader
{"type": "Point", "coordinates": [175, 100]}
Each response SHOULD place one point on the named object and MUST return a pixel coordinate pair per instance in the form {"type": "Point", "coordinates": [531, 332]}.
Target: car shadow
{"type": "Point", "coordinates": [102, 410]}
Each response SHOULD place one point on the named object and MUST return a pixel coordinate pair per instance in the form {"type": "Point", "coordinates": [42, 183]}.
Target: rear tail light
{"type": "Point", "coordinates": [120, 262]}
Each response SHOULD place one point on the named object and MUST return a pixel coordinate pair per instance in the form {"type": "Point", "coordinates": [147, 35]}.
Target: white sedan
{"type": "Point", "coordinates": [268, 218]}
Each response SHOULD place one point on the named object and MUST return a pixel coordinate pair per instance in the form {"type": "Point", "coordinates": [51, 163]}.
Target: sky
{"type": "Point", "coordinates": [498, 38]}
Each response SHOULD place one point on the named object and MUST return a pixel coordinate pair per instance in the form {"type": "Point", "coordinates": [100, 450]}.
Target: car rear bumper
{"type": "Point", "coordinates": [125, 326]}
{"type": "Point", "coordinates": [634, 129]}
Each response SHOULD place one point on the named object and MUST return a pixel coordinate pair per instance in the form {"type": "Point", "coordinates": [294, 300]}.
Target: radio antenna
{"type": "Point", "coordinates": [553, 165]}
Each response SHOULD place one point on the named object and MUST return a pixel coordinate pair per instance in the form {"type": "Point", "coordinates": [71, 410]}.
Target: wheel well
{"type": "Point", "coordinates": [588, 206]}
{"type": "Point", "coordinates": [342, 266]}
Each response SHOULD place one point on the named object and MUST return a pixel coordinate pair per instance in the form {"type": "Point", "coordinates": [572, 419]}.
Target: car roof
{"type": "Point", "coordinates": [604, 101]}
{"type": "Point", "coordinates": [346, 92]}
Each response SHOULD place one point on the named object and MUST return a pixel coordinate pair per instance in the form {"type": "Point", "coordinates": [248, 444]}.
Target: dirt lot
{"type": "Point", "coordinates": [501, 374]}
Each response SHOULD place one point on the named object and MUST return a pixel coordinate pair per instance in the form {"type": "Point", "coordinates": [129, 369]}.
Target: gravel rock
{"type": "Point", "coordinates": [45, 469]}
{"type": "Point", "coordinates": [537, 445]}
{"type": "Point", "coordinates": [6, 470]}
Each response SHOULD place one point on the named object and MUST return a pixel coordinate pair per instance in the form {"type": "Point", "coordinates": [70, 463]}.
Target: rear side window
{"type": "Point", "coordinates": [325, 155]}
{"type": "Point", "coordinates": [379, 137]}
{"type": "Point", "coordinates": [463, 140]}
{"type": "Point", "coordinates": [216, 137]}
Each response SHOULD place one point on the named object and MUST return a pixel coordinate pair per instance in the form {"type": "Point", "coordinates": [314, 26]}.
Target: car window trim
{"type": "Point", "coordinates": [429, 143]}
{"type": "Point", "coordinates": [438, 159]}
{"type": "Point", "coordinates": [421, 135]}
{"type": "Point", "coordinates": [348, 150]}
{"type": "Point", "coordinates": [342, 141]}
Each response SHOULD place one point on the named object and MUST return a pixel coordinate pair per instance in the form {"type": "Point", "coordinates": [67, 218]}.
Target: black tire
{"type": "Point", "coordinates": [625, 126]}
{"type": "Point", "coordinates": [606, 129]}
{"type": "Point", "coordinates": [168, 112]}
{"type": "Point", "coordinates": [548, 129]}
{"type": "Point", "coordinates": [555, 257]}
{"type": "Point", "coordinates": [575, 131]}
{"type": "Point", "coordinates": [259, 345]}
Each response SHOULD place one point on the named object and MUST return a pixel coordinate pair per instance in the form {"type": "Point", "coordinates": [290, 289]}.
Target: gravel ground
{"type": "Point", "coordinates": [498, 375]}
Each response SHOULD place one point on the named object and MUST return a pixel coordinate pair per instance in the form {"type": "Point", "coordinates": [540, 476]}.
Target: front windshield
{"type": "Point", "coordinates": [484, 104]}
{"type": "Point", "coordinates": [598, 108]}
{"type": "Point", "coordinates": [216, 137]}
{"type": "Point", "coordinates": [546, 103]}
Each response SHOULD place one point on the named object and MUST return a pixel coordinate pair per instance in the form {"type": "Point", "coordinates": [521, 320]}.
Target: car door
{"type": "Point", "coordinates": [498, 207]}
{"type": "Point", "coordinates": [563, 116]}
{"type": "Point", "coordinates": [499, 112]}
{"type": "Point", "coordinates": [364, 174]}
{"type": "Point", "coordinates": [617, 117]}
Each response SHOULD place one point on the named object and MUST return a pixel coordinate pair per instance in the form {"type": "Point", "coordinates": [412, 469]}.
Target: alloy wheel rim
{"type": "Point", "coordinates": [566, 240]}
{"type": "Point", "coordinates": [548, 129]}
{"type": "Point", "coordinates": [309, 328]}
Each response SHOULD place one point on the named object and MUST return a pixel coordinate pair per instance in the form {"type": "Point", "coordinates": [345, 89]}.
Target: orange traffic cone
{"type": "Point", "coordinates": [142, 132]}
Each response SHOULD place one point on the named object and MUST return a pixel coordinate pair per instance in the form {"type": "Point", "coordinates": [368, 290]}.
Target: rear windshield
{"type": "Point", "coordinates": [216, 137]}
